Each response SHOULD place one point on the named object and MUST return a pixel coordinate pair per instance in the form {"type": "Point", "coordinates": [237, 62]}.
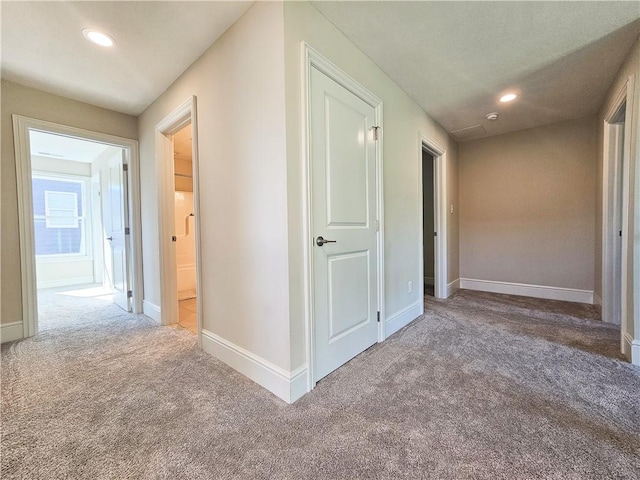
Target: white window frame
{"type": "Point", "coordinates": [50, 218]}
{"type": "Point", "coordinates": [87, 239]}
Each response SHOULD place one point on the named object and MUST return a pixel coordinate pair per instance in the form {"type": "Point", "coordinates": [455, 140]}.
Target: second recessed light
{"type": "Point", "coordinates": [509, 97]}
{"type": "Point", "coordinates": [98, 38]}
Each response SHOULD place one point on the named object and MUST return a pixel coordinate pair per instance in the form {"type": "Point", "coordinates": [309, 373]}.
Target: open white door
{"type": "Point", "coordinates": [344, 209]}
{"type": "Point", "coordinates": [116, 229]}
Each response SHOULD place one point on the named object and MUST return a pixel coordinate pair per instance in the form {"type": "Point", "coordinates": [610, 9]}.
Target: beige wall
{"type": "Point", "coordinates": [239, 84]}
{"type": "Point", "coordinates": [631, 66]}
{"type": "Point", "coordinates": [36, 104]}
{"type": "Point", "coordinates": [403, 120]}
{"type": "Point", "coordinates": [527, 212]}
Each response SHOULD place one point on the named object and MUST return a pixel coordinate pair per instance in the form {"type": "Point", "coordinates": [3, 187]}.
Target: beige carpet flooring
{"type": "Point", "coordinates": [482, 386]}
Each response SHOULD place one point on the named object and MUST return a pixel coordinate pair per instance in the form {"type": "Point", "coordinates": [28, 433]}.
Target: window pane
{"type": "Point", "coordinates": [57, 241]}
{"type": "Point", "coordinates": [59, 228]}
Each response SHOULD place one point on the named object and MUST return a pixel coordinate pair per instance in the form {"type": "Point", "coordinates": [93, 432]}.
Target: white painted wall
{"type": "Point", "coordinates": [34, 103]}
{"type": "Point", "coordinates": [403, 120]}
{"type": "Point", "coordinates": [239, 83]}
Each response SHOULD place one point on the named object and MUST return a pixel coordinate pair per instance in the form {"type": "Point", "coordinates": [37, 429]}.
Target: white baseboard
{"type": "Point", "coordinates": [152, 311]}
{"type": "Point", "coordinates": [67, 282]}
{"type": "Point", "coordinates": [429, 281]}
{"type": "Point", "coordinates": [453, 287]}
{"type": "Point", "coordinates": [627, 341]}
{"type": "Point", "coordinates": [11, 331]}
{"type": "Point", "coordinates": [403, 317]}
{"type": "Point", "coordinates": [635, 352]}
{"type": "Point", "coordinates": [597, 299]}
{"type": "Point", "coordinates": [525, 290]}
{"type": "Point", "coordinates": [289, 386]}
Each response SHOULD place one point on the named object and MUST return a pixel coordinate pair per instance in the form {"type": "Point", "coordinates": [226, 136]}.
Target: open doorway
{"type": "Point", "coordinates": [78, 254]}
{"type": "Point", "coordinates": [428, 222]}
{"type": "Point", "coordinates": [617, 302]}
{"type": "Point", "coordinates": [180, 252]}
{"type": "Point", "coordinates": [434, 210]}
{"type": "Point", "coordinates": [185, 229]}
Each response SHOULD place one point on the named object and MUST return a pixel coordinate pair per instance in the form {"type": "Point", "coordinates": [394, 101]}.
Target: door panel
{"type": "Point", "coordinates": [115, 218]}
{"type": "Point", "coordinates": [349, 293]}
{"type": "Point", "coordinates": [343, 155]}
{"type": "Point", "coordinates": [346, 165]}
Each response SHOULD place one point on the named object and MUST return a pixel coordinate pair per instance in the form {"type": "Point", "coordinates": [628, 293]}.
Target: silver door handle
{"type": "Point", "coordinates": [321, 241]}
{"type": "Point", "coordinates": [109, 238]}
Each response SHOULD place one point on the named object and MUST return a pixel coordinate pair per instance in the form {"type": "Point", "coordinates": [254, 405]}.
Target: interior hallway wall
{"type": "Point", "coordinates": [527, 212]}
{"type": "Point", "coordinates": [29, 102]}
{"type": "Point", "coordinates": [403, 121]}
{"type": "Point", "coordinates": [239, 84]}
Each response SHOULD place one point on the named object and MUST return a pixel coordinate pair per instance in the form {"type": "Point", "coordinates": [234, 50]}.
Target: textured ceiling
{"type": "Point", "coordinates": [456, 58]}
{"type": "Point", "coordinates": [42, 46]}
{"type": "Point", "coordinates": [453, 58]}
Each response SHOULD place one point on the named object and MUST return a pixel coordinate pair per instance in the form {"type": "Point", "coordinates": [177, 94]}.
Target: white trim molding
{"type": "Point", "coordinates": [635, 352]}
{"type": "Point", "coordinates": [526, 290]}
{"type": "Point", "coordinates": [403, 318]}
{"type": "Point", "coordinates": [21, 128]}
{"type": "Point", "coordinates": [453, 287]}
{"type": "Point", "coordinates": [289, 386]}
{"type": "Point", "coordinates": [152, 311]}
{"type": "Point", "coordinates": [10, 332]}
{"type": "Point", "coordinates": [626, 344]}
{"type": "Point", "coordinates": [184, 114]}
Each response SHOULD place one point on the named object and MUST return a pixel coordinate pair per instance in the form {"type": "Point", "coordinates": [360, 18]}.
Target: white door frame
{"type": "Point", "coordinates": [441, 289]}
{"type": "Point", "coordinates": [313, 59]}
{"type": "Point", "coordinates": [183, 115]}
{"type": "Point", "coordinates": [611, 162]}
{"type": "Point", "coordinates": [21, 127]}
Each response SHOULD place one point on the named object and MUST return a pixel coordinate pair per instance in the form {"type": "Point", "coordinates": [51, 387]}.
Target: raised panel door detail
{"type": "Point", "coordinates": [349, 294]}
{"type": "Point", "coordinates": [346, 164]}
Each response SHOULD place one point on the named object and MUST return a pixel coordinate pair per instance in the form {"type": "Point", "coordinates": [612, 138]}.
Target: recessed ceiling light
{"type": "Point", "coordinates": [508, 97]}
{"type": "Point", "coordinates": [99, 38]}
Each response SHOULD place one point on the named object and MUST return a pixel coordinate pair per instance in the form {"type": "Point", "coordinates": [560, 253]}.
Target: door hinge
{"type": "Point", "coordinates": [376, 133]}
{"type": "Point", "coordinates": [435, 234]}
{"type": "Point", "coordinates": [620, 233]}
{"type": "Point", "coordinates": [127, 231]}
{"type": "Point", "coordinates": [125, 167]}
{"type": "Point", "coordinates": [129, 294]}
{"type": "Point", "coordinates": [378, 316]}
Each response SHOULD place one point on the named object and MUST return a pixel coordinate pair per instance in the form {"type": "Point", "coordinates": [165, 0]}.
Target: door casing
{"type": "Point", "coordinates": [21, 127]}
{"type": "Point", "coordinates": [441, 287]}
{"type": "Point", "coordinates": [313, 59]}
{"type": "Point", "coordinates": [183, 115]}
{"type": "Point", "coordinates": [611, 160]}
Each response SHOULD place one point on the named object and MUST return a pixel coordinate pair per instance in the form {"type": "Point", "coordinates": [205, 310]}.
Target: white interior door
{"type": "Point", "coordinates": [343, 170]}
{"type": "Point", "coordinates": [115, 219]}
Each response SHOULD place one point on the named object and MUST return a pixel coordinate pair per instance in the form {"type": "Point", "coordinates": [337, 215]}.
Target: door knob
{"type": "Point", "coordinates": [109, 238]}
{"type": "Point", "coordinates": [321, 241]}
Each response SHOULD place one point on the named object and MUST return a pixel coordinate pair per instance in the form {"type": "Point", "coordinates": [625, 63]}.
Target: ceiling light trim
{"type": "Point", "coordinates": [98, 37]}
